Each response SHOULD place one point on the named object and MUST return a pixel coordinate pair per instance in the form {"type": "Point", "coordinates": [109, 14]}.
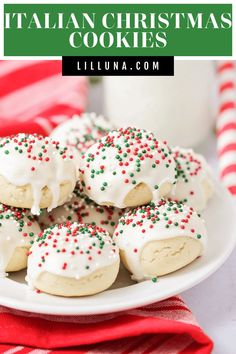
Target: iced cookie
{"type": "Point", "coordinates": [17, 231]}
{"type": "Point", "coordinates": [159, 238]}
{"type": "Point", "coordinates": [82, 131]}
{"type": "Point", "coordinates": [128, 167]}
{"type": "Point", "coordinates": [83, 210]}
{"type": "Point", "coordinates": [194, 183]}
{"type": "Point", "coordinates": [73, 260]}
{"type": "Point", "coordinates": [35, 172]}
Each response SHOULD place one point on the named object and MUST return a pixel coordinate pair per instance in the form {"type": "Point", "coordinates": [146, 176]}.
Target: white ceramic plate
{"type": "Point", "coordinates": [125, 294]}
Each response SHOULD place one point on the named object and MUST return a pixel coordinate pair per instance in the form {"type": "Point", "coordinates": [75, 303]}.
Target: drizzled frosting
{"type": "Point", "coordinates": [121, 160]}
{"type": "Point", "coordinates": [39, 162]}
{"type": "Point", "coordinates": [194, 184]}
{"type": "Point", "coordinates": [17, 229]}
{"type": "Point", "coordinates": [156, 221]}
{"type": "Point", "coordinates": [83, 210]}
{"type": "Point", "coordinates": [82, 131]}
{"type": "Point", "coordinates": [71, 250]}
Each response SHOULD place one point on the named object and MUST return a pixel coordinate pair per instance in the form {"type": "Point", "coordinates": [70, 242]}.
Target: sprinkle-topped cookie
{"type": "Point", "coordinates": [123, 160]}
{"type": "Point", "coordinates": [82, 131]}
{"type": "Point", "coordinates": [83, 210]}
{"type": "Point", "coordinates": [17, 229]}
{"type": "Point", "coordinates": [71, 250]}
{"type": "Point", "coordinates": [34, 162]}
{"type": "Point", "coordinates": [194, 184]}
{"type": "Point", "coordinates": [156, 221]}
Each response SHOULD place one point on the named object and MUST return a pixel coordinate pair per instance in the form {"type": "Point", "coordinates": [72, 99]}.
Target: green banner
{"type": "Point", "coordinates": [117, 29]}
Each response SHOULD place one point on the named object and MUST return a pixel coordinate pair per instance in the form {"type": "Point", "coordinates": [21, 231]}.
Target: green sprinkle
{"type": "Point", "coordinates": [154, 280]}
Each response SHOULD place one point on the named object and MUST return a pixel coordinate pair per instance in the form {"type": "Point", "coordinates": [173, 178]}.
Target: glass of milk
{"type": "Point", "coordinates": [180, 109]}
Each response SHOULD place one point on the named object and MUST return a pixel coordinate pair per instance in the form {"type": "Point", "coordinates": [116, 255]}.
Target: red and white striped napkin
{"type": "Point", "coordinates": [34, 98]}
{"type": "Point", "coordinates": [166, 327]}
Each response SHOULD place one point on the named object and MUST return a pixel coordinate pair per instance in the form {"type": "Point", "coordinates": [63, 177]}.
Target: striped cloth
{"type": "Point", "coordinates": [34, 98]}
{"type": "Point", "coordinates": [226, 124]}
{"type": "Point", "coordinates": [166, 327]}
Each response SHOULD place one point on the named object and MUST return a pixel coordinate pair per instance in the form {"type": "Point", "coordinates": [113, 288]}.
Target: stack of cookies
{"type": "Point", "coordinates": [77, 202]}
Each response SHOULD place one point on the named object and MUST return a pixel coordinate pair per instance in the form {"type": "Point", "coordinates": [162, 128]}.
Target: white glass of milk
{"type": "Point", "coordinates": [179, 109]}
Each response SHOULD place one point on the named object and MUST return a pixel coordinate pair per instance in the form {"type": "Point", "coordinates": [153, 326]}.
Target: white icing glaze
{"type": "Point", "coordinates": [71, 250]}
{"type": "Point", "coordinates": [121, 160]}
{"type": "Point", "coordinates": [17, 229]}
{"type": "Point", "coordinates": [83, 210]}
{"type": "Point", "coordinates": [38, 161]}
{"type": "Point", "coordinates": [156, 221]}
{"type": "Point", "coordinates": [82, 131]}
{"type": "Point", "coordinates": [194, 184]}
